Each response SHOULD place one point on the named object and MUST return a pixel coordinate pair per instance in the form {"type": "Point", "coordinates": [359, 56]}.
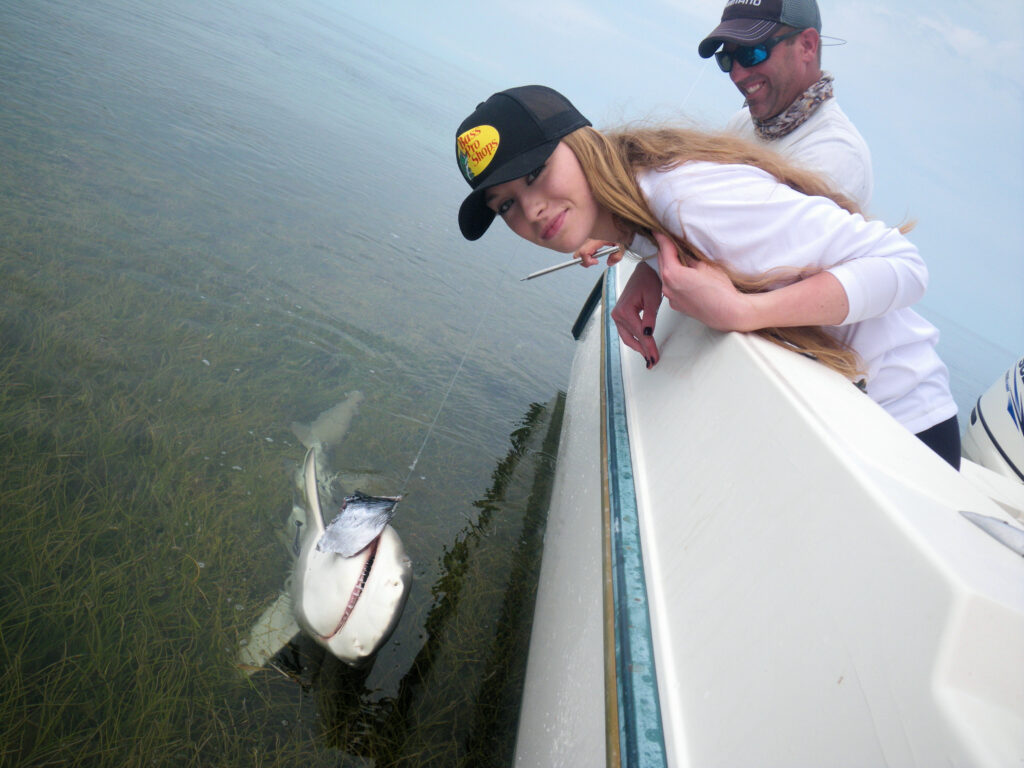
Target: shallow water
{"type": "Point", "coordinates": [216, 222]}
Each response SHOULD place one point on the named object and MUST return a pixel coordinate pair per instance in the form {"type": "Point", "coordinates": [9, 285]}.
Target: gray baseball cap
{"type": "Point", "coordinates": [749, 22]}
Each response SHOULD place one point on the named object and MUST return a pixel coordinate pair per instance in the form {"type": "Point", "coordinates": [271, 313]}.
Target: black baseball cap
{"type": "Point", "coordinates": [749, 22]}
{"type": "Point", "coordinates": [506, 137]}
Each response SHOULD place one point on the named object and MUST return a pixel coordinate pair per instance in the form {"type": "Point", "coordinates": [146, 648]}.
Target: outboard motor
{"type": "Point", "coordinates": [995, 436]}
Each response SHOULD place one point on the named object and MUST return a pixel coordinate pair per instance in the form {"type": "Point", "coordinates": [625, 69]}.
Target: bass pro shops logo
{"type": "Point", "coordinates": [475, 150]}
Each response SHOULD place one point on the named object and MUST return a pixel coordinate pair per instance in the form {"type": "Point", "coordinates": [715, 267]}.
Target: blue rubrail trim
{"type": "Point", "coordinates": [641, 736]}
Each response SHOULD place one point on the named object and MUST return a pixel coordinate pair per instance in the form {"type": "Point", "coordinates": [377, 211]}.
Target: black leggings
{"type": "Point", "coordinates": [944, 439]}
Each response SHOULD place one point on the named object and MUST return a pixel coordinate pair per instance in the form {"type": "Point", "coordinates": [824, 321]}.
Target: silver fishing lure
{"type": "Point", "coordinates": [360, 521]}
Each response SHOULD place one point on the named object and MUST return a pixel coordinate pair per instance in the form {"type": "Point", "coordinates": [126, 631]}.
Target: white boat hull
{"type": "Point", "coordinates": [815, 596]}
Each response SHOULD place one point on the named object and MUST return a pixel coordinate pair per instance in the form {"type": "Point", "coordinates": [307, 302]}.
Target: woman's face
{"type": "Point", "coordinates": [553, 205]}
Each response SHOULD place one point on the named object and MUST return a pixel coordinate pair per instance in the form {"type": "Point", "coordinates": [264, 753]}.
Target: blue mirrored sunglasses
{"type": "Point", "coordinates": [751, 55]}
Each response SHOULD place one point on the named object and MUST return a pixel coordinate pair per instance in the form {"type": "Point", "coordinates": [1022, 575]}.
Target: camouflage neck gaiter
{"type": "Point", "coordinates": [797, 113]}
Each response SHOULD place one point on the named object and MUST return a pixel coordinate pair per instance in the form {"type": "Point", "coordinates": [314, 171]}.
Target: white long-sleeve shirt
{"type": "Point", "coordinates": [827, 142]}
{"type": "Point", "coordinates": [741, 216]}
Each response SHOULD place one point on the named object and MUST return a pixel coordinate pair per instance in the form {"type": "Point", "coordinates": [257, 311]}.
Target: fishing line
{"type": "Point", "coordinates": [469, 346]}
{"type": "Point", "coordinates": [458, 370]}
{"type": "Point", "coordinates": [697, 79]}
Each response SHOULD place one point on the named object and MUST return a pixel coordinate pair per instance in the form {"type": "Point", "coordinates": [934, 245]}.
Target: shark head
{"type": "Point", "coordinates": [349, 605]}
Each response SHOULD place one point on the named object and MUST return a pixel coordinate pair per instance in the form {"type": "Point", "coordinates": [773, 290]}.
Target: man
{"type": "Point", "coordinates": [771, 50]}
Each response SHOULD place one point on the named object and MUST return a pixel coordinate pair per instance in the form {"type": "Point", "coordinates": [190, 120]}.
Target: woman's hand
{"type": "Point", "coordinates": [702, 291]}
{"type": "Point", "coordinates": [636, 311]}
{"type": "Point", "coordinates": [586, 253]}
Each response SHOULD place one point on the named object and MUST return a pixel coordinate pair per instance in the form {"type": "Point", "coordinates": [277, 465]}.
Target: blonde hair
{"type": "Point", "coordinates": [610, 163]}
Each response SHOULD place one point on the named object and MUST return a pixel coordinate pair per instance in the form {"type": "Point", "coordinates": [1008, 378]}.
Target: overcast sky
{"type": "Point", "coordinates": [936, 89]}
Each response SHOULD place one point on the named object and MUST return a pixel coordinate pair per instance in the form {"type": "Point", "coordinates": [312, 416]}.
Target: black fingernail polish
{"type": "Point", "coordinates": [648, 331]}
{"type": "Point", "coordinates": [650, 362]}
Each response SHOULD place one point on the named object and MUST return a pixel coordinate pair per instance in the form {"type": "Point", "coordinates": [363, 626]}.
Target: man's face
{"type": "Point", "coordinates": [771, 86]}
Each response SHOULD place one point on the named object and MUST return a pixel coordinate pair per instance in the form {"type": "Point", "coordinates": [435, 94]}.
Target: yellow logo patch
{"type": "Point", "coordinates": [475, 149]}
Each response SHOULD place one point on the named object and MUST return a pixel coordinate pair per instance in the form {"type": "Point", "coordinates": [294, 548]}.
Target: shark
{"type": "Point", "coordinates": [351, 575]}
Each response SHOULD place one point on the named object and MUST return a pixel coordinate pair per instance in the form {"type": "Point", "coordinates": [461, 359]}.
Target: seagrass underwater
{"type": "Point", "coordinates": [219, 223]}
{"type": "Point", "coordinates": [201, 249]}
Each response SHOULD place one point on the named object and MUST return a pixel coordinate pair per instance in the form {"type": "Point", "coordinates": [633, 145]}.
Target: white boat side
{"type": "Point", "coordinates": [562, 717]}
{"type": "Point", "coordinates": [816, 597]}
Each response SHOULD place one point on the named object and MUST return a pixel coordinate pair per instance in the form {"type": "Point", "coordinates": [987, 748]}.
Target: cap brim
{"type": "Point", "coordinates": [474, 215]}
{"type": "Point", "coordinates": [738, 31]}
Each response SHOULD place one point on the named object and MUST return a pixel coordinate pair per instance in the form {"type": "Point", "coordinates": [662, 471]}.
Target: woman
{"type": "Point", "coordinates": [744, 242]}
